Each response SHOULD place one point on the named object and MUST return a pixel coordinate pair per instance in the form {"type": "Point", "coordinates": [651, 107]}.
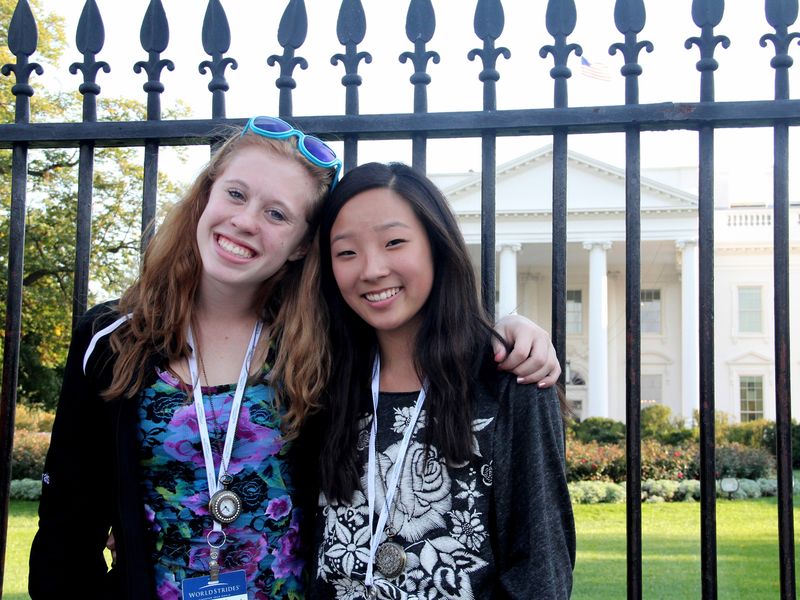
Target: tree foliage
{"type": "Point", "coordinates": [51, 214]}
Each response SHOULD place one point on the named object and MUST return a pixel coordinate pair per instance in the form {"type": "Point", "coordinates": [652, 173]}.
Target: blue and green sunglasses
{"type": "Point", "coordinates": [314, 149]}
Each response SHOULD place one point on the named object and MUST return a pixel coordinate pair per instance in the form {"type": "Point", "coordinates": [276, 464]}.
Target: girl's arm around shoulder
{"type": "Point", "coordinates": [534, 528]}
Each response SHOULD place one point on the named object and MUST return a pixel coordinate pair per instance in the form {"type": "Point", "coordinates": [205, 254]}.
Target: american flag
{"type": "Point", "coordinates": [595, 70]}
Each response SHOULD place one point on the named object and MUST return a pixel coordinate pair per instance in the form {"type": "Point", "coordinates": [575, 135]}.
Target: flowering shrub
{"type": "Point", "coordinates": [595, 492]}
{"type": "Point", "coordinates": [736, 460]}
{"type": "Point", "coordinates": [595, 462]}
{"type": "Point", "coordinates": [31, 418]}
{"type": "Point", "coordinates": [27, 456]}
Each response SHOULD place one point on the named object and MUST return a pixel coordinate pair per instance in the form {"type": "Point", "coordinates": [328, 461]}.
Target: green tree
{"type": "Point", "coordinates": [52, 214]}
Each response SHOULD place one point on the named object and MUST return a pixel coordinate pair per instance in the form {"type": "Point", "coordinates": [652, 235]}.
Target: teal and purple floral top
{"type": "Point", "coordinates": [264, 540]}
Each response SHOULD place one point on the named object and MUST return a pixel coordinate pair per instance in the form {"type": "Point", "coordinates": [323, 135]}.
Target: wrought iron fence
{"type": "Point", "coordinates": [420, 125]}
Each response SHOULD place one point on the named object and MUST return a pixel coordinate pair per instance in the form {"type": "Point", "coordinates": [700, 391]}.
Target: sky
{"type": "Point", "coordinates": [744, 158]}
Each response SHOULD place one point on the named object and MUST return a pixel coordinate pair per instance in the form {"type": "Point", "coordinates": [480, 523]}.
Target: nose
{"type": "Point", "coordinates": [374, 266]}
{"type": "Point", "coordinates": [245, 220]}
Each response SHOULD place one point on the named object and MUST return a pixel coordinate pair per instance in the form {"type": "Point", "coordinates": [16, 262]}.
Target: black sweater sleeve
{"type": "Point", "coordinates": [535, 533]}
{"type": "Point", "coordinates": [76, 505]}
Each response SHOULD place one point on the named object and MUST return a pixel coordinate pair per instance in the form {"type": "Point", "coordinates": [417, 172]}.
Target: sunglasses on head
{"type": "Point", "coordinates": [312, 148]}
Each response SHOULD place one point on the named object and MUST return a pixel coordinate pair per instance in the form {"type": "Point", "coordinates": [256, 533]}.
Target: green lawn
{"type": "Point", "coordinates": [747, 550]}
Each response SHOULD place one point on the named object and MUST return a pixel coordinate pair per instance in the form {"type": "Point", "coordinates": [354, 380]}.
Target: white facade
{"type": "Point", "coordinates": [743, 279]}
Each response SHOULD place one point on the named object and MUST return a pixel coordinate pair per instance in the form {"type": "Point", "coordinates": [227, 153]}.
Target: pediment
{"type": "Point", "coordinates": [524, 186]}
{"type": "Point", "coordinates": [750, 359]}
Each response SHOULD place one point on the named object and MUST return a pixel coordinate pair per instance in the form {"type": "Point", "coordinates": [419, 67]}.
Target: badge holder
{"type": "Point", "coordinates": [216, 586]}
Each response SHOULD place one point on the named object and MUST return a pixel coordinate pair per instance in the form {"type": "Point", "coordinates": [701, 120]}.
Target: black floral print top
{"type": "Point", "coordinates": [498, 526]}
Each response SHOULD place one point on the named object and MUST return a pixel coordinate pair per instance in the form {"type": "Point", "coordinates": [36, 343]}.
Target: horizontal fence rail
{"type": "Point", "coordinates": [419, 125]}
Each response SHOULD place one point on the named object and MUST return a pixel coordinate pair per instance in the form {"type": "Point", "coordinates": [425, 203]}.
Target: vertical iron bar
{"type": "Point", "coordinates": [633, 359]}
{"type": "Point", "coordinates": [89, 38]}
{"type": "Point", "coordinates": [420, 26]}
{"type": "Point", "coordinates": [488, 220]}
{"type": "Point", "coordinates": [22, 41]}
{"type": "Point", "coordinates": [561, 19]}
{"type": "Point", "coordinates": [780, 15]}
{"type": "Point", "coordinates": [629, 16]}
{"type": "Point", "coordinates": [708, 489]}
{"type": "Point", "coordinates": [154, 36]}
{"type": "Point", "coordinates": [351, 26]}
{"type": "Point", "coordinates": [707, 14]}
{"type": "Point", "coordinates": [488, 24]}
{"type": "Point", "coordinates": [16, 251]}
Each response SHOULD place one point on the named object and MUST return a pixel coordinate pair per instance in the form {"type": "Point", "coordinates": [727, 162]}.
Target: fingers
{"type": "Point", "coordinates": [111, 545]}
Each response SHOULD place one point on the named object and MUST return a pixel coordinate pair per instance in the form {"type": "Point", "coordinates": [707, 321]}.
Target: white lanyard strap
{"type": "Point", "coordinates": [376, 535]}
{"type": "Point", "coordinates": [214, 479]}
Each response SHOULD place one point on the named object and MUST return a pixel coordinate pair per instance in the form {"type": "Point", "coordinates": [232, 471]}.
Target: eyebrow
{"type": "Point", "coordinates": [242, 183]}
{"type": "Point", "coordinates": [382, 227]}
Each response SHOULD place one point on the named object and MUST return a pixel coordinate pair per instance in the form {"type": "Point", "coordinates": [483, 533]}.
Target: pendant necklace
{"type": "Point", "coordinates": [387, 556]}
{"type": "Point", "coordinates": [225, 506]}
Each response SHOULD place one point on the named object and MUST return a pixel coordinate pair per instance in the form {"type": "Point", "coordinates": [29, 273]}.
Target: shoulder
{"type": "Point", "coordinates": [526, 400]}
{"type": "Point", "coordinates": [93, 329]}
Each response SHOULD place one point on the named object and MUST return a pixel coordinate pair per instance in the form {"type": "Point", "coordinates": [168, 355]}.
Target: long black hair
{"type": "Point", "coordinates": [452, 349]}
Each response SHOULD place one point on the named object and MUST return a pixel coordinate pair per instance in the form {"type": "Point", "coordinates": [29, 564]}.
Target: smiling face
{"type": "Point", "coordinates": [255, 220]}
{"type": "Point", "coordinates": [382, 261]}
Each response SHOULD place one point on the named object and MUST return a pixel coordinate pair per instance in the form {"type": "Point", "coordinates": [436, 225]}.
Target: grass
{"type": "Point", "coordinates": [22, 520]}
{"type": "Point", "coordinates": [747, 550]}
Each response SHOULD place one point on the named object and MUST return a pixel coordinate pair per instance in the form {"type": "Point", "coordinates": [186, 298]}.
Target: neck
{"type": "Point", "coordinates": [398, 373]}
{"type": "Point", "coordinates": [228, 306]}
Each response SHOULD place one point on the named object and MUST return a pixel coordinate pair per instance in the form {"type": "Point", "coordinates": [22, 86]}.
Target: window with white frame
{"type": "Point", "coordinates": [574, 312]}
{"type": "Point", "coordinates": [651, 311]}
{"type": "Point", "coordinates": [651, 390]}
{"type": "Point", "coordinates": [750, 309]}
{"type": "Point", "coordinates": [751, 397]}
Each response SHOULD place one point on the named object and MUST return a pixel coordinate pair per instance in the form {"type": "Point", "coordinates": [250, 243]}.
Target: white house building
{"type": "Point", "coordinates": [743, 319]}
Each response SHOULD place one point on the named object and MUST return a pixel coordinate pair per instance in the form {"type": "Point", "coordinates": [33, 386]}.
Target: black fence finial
{"type": "Point", "coordinates": [707, 14]}
{"type": "Point", "coordinates": [90, 38]}
{"type": "Point", "coordinates": [781, 14]}
{"type": "Point", "coordinates": [291, 35]}
{"type": "Point", "coordinates": [420, 25]}
{"type": "Point", "coordinates": [23, 38]}
{"type": "Point", "coordinates": [629, 16]}
{"type": "Point", "coordinates": [488, 24]}
{"type": "Point", "coordinates": [351, 26]}
{"type": "Point", "coordinates": [560, 19]}
{"type": "Point", "coordinates": [216, 41]}
{"type": "Point", "coordinates": [154, 36]}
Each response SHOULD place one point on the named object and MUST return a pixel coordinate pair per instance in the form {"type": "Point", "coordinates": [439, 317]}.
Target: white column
{"type": "Point", "coordinates": [690, 329]}
{"type": "Point", "coordinates": [597, 383]}
{"type": "Point", "coordinates": [507, 279]}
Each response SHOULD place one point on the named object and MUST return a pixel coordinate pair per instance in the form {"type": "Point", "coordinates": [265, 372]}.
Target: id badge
{"type": "Point", "coordinates": [230, 586]}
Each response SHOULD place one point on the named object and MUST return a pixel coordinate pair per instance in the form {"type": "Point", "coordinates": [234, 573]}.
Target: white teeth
{"type": "Point", "coordinates": [229, 246]}
{"type": "Point", "coordinates": [377, 297]}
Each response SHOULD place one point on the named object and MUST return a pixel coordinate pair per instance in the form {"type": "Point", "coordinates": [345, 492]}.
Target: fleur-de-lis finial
{"type": "Point", "coordinates": [629, 16]}
{"type": "Point", "coordinates": [216, 38]}
{"type": "Point", "coordinates": [154, 36]}
{"type": "Point", "coordinates": [488, 24]}
{"type": "Point", "coordinates": [291, 35]}
{"type": "Point", "coordinates": [90, 40]}
{"type": "Point", "coordinates": [351, 26]}
{"type": "Point", "coordinates": [780, 15]}
{"type": "Point", "coordinates": [23, 38]}
{"type": "Point", "coordinates": [560, 19]}
{"type": "Point", "coordinates": [707, 14]}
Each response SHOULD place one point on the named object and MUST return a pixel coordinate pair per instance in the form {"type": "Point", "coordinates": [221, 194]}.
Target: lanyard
{"type": "Point", "coordinates": [214, 482]}
{"type": "Point", "coordinates": [376, 535]}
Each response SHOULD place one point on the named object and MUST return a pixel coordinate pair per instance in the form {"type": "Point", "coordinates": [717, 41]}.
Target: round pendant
{"type": "Point", "coordinates": [390, 559]}
{"type": "Point", "coordinates": [225, 506]}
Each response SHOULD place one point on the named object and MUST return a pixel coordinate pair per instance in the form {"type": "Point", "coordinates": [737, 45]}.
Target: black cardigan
{"type": "Point", "coordinates": [91, 482]}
